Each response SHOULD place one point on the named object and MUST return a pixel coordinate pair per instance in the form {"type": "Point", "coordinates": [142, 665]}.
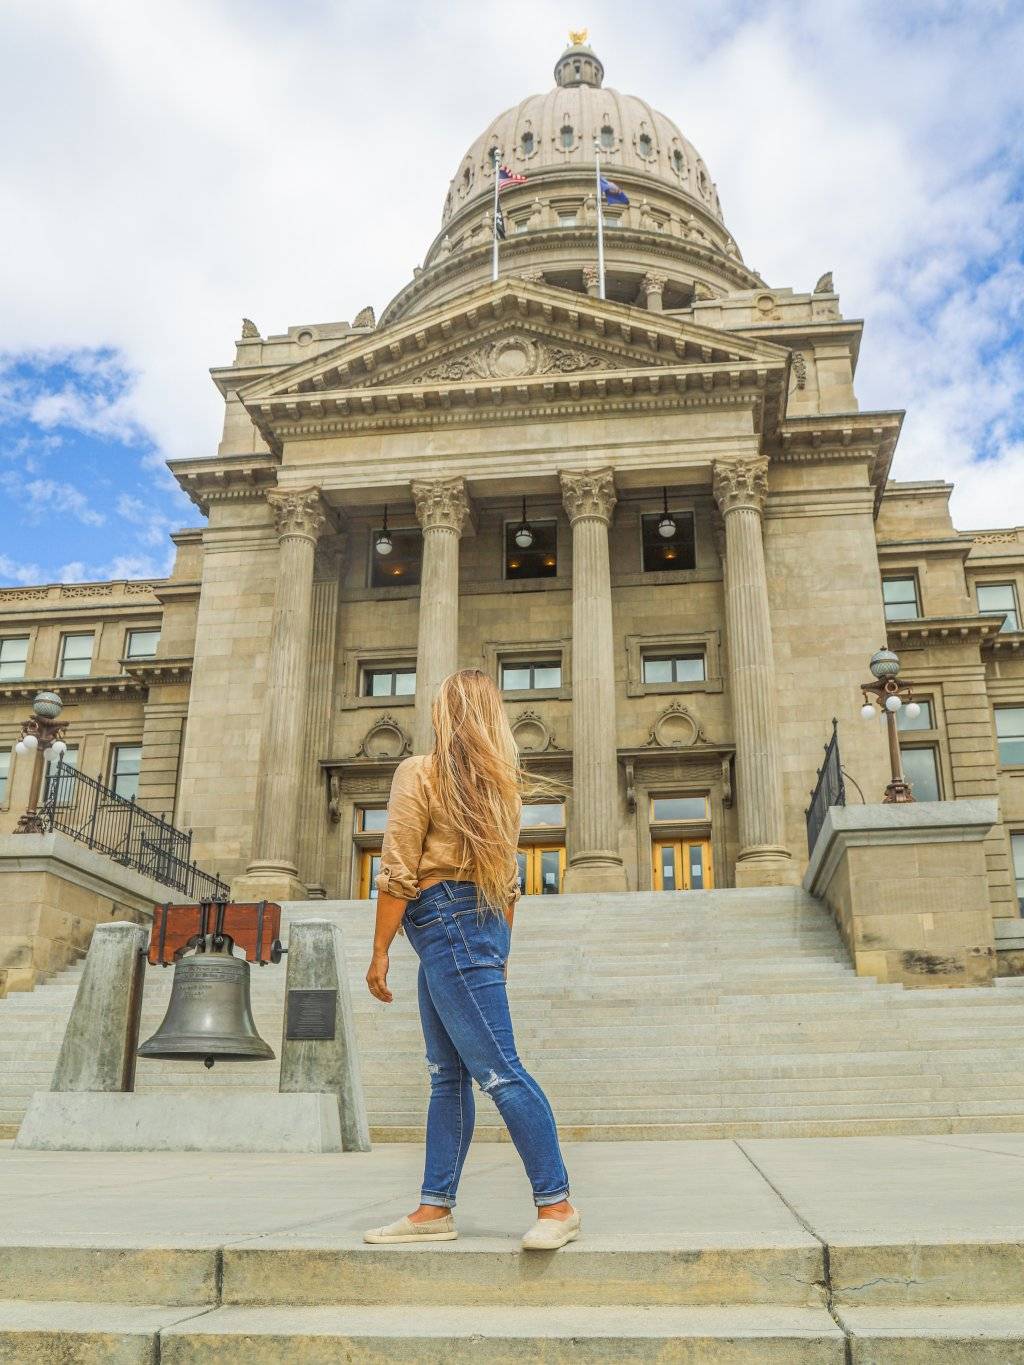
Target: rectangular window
{"type": "Point", "coordinates": [13, 655]}
{"type": "Point", "coordinates": [899, 596]}
{"type": "Point", "coordinates": [1017, 849]}
{"type": "Point", "coordinates": [921, 769]}
{"type": "Point", "coordinates": [389, 682]}
{"type": "Point", "coordinates": [679, 808]}
{"type": "Point", "coordinates": [996, 598]}
{"type": "Point", "coordinates": [142, 644]}
{"type": "Point", "coordinates": [125, 762]}
{"type": "Point", "coordinates": [528, 677]}
{"type": "Point", "coordinates": [520, 225]}
{"type": "Point", "coordinates": [538, 559]}
{"type": "Point", "coordinates": [400, 566]}
{"type": "Point", "coordinates": [567, 218]}
{"type": "Point", "coordinates": [65, 792]}
{"type": "Point", "coordinates": [923, 721]}
{"type": "Point", "coordinates": [75, 656]}
{"type": "Point", "coordinates": [673, 668]}
{"type": "Point", "coordinates": [537, 814]}
{"type": "Point", "coordinates": [371, 819]}
{"type": "Point", "coordinates": [5, 771]}
{"type": "Point", "coordinates": [671, 552]}
{"type": "Point", "coordinates": [1010, 735]}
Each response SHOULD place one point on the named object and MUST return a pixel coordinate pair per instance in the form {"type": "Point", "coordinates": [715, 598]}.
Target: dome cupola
{"type": "Point", "coordinates": [578, 64]}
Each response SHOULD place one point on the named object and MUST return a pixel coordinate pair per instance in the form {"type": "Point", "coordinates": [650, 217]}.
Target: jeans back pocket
{"type": "Point", "coordinates": [486, 936]}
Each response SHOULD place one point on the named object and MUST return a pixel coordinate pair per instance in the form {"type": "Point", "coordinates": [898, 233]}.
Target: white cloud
{"type": "Point", "coordinates": [39, 498]}
{"type": "Point", "coordinates": [193, 163]}
{"type": "Point", "coordinates": [10, 569]}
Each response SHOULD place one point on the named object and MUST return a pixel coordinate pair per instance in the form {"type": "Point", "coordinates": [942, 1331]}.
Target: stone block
{"type": "Point", "coordinates": [98, 1051]}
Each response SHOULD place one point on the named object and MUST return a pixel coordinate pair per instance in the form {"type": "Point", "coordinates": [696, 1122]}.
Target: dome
{"type": "Point", "coordinates": [555, 132]}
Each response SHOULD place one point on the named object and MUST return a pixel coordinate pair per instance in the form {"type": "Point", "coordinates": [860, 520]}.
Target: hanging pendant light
{"type": "Point", "coordinates": [666, 526]}
{"type": "Point", "coordinates": [383, 542]}
{"type": "Point", "coordinates": [523, 534]}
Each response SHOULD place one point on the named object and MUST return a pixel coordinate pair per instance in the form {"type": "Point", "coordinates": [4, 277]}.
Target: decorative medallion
{"type": "Point", "coordinates": [676, 728]}
{"type": "Point", "coordinates": [384, 739]}
{"type": "Point", "coordinates": [531, 734]}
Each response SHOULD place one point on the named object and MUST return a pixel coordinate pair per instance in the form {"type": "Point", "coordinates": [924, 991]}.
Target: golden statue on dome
{"type": "Point", "coordinates": [577, 37]}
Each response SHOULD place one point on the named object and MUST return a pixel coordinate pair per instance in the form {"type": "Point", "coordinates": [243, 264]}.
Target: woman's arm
{"type": "Point", "coordinates": [390, 910]}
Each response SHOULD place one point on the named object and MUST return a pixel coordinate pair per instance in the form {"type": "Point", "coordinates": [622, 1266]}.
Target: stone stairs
{"type": "Point", "coordinates": [704, 1014]}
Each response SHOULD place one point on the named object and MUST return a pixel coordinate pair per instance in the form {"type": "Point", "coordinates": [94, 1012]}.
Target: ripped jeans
{"type": "Point", "coordinates": [467, 1030]}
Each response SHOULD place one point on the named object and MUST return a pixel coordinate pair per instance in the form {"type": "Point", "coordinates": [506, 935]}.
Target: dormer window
{"type": "Point", "coordinates": [568, 136]}
{"type": "Point", "coordinates": [526, 144]}
{"type": "Point", "coordinates": [607, 138]}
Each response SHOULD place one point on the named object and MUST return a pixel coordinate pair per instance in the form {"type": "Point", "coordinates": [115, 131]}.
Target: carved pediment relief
{"type": "Point", "coordinates": [514, 356]}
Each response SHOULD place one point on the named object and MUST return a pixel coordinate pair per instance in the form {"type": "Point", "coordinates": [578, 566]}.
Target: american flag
{"type": "Point", "coordinates": [507, 176]}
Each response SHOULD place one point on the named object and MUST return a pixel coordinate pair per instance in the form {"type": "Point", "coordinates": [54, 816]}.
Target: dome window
{"type": "Point", "coordinates": [678, 161]}
{"type": "Point", "coordinates": [702, 180]}
{"type": "Point", "coordinates": [526, 144]}
{"type": "Point", "coordinates": [467, 177]}
{"type": "Point", "coordinates": [645, 145]}
{"type": "Point", "coordinates": [607, 138]}
{"type": "Point", "coordinates": [568, 136]}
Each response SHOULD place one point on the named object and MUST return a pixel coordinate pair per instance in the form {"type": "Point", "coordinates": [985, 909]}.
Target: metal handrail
{"type": "Point", "coordinates": [90, 812]}
{"type": "Point", "coordinates": [829, 790]}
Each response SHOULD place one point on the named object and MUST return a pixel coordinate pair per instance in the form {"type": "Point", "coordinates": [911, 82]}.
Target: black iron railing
{"type": "Point", "coordinates": [829, 790]}
{"type": "Point", "coordinates": [91, 813]}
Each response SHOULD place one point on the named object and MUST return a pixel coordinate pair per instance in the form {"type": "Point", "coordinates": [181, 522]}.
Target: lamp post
{"type": "Point", "coordinates": [894, 694]}
{"type": "Point", "coordinates": [42, 734]}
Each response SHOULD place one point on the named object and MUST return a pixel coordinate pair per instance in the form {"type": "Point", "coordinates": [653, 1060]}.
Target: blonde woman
{"type": "Point", "coordinates": [448, 879]}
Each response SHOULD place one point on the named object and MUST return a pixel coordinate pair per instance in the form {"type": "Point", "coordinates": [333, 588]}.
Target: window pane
{"type": "Point", "coordinates": [657, 670]}
{"type": "Point", "coordinates": [521, 864]}
{"type": "Point", "coordinates": [1010, 734]}
{"type": "Point", "coordinates": [679, 808]}
{"type": "Point", "coordinates": [76, 656]}
{"type": "Point", "coordinates": [5, 771]}
{"type": "Point", "coordinates": [547, 675]}
{"type": "Point", "coordinates": [372, 818]}
{"type": "Point", "coordinates": [374, 870]}
{"type": "Point", "coordinates": [537, 560]}
{"type": "Point", "coordinates": [900, 598]}
{"type": "Point", "coordinates": [142, 643]}
{"type": "Point", "coordinates": [670, 553]}
{"type": "Point", "coordinates": [921, 771]}
{"type": "Point", "coordinates": [696, 867]}
{"type": "Point", "coordinates": [689, 669]}
{"type": "Point", "coordinates": [924, 721]}
{"type": "Point", "coordinates": [400, 568]}
{"type": "Point", "coordinates": [542, 813]}
{"type": "Point", "coordinates": [379, 683]}
{"type": "Point", "coordinates": [70, 761]}
{"type": "Point", "coordinates": [996, 598]}
{"type": "Point", "coordinates": [405, 682]}
{"type": "Point", "coordinates": [667, 855]}
{"type": "Point", "coordinates": [1017, 848]}
{"type": "Point", "coordinates": [567, 220]}
{"type": "Point", "coordinates": [549, 869]}
{"type": "Point", "coordinates": [125, 770]}
{"type": "Point", "coordinates": [515, 678]}
{"type": "Point", "coordinates": [13, 655]}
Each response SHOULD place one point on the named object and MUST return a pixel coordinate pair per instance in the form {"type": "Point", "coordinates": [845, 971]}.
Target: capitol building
{"type": "Point", "coordinates": [648, 505]}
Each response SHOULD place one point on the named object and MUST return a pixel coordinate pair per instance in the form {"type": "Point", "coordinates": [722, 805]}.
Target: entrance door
{"type": "Point", "coordinates": [369, 866]}
{"type": "Point", "coordinates": [541, 868]}
{"type": "Point", "coordinates": [683, 865]}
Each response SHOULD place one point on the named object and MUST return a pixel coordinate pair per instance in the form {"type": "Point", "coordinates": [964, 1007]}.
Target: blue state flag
{"type": "Point", "coordinates": [612, 193]}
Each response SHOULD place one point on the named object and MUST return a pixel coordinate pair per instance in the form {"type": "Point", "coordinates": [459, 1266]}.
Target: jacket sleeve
{"type": "Point", "coordinates": [408, 817]}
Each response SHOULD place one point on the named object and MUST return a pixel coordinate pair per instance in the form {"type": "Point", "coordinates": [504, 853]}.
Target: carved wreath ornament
{"type": "Point", "coordinates": [512, 358]}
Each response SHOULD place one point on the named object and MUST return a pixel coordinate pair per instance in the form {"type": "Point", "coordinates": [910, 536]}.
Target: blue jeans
{"type": "Point", "coordinates": [467, 1030]}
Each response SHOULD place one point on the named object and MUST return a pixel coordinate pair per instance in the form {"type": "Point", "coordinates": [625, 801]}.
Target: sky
{"type": "Point", "coordinates": [170, 168]}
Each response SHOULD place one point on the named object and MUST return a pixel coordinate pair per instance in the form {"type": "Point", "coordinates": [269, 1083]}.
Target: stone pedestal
{"type": "Point", "coordinates": [272, 873]}
{"type": "Point", "coordinates": [741, 487]}
{"type": "Point", "coordinates": [595, 863]}
{"type": "Point", "coordinates": [441, 506]}
{"type": "Point", "coordinates": [908, 886]}
{"type": "Point", "coordinates": [100, 1041]}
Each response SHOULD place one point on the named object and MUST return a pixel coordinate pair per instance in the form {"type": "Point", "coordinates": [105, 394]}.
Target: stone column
{"type": "Point", "coordinates": [653, 288]}
{"type": "Point", "coordinates": [741, 489]}
{"type": "Point", "coordinates": [595, 863]}
{"type": "Point", "coordinates": [441, 507]}
{"type": "Point", "coordinates": [592, 280]}
{"type": "Point", "coordinates": [272, 872]}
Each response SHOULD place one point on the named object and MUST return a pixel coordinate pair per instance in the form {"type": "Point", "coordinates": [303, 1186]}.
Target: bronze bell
{"type": "Point", "coordinates": [210, 1013]}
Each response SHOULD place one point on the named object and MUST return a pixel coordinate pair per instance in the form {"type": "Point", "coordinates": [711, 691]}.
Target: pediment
{"type": "Point", "coordinates": [513, 342]}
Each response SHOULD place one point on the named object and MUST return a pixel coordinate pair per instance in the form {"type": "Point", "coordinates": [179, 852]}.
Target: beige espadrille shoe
{"type": "Point", "coordinates": [548, 1234]}
{"type": "Point", "coordinates": [405, 1230]}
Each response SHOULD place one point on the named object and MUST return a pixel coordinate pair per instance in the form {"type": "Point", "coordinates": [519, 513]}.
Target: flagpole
{"type": "Point", "coordinates": [494, 220]}
{"type": "Point", "coordinates": [600, 221]}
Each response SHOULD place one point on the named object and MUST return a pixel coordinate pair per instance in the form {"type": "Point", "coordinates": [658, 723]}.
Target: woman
{"type": "Point", "coordinates": [448, 879]}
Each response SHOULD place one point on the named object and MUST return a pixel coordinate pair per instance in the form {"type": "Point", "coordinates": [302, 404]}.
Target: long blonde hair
{"type": "Point", "coordinates": [477, 781]}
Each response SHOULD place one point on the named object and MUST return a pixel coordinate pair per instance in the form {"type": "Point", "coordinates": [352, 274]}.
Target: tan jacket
{"type": "Point", "coordinates": [416, 846]}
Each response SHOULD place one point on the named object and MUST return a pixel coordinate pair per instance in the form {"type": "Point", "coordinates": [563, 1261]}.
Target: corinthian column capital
{"type": "Point", "coordinates": [589, 495]}
{"type": "Point", "coordinates": [741, 483]}
{"type": "Point", "coordinates": [299, 513]}
{"type": "Point", "coordinates": [441, 504]}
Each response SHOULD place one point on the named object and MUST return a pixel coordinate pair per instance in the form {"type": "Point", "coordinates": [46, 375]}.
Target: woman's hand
{"type": "Point", "coordinates": [377, 977]}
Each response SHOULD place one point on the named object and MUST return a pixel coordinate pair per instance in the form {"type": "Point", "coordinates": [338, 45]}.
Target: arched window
{"type": "Point", "coordinates": [526, 144]}
{"type": "Point", "coordinates": [645, 145]}
{"type": "Point", "coordinates": [607, 137]}
{"type": "Point", "coordinates": [568, 136]}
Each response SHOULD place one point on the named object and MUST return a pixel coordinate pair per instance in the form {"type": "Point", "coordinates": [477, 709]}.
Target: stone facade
{"type": "Point", "coordinates": [278, 702]}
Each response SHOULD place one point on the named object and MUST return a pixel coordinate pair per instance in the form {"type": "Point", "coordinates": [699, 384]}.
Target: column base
{"type": "Point", "coordinates": [595, 873]}
{"type": "Point", "coordinates": [767, 865]}
{"type": "Point", "coordinates": [269, 882]}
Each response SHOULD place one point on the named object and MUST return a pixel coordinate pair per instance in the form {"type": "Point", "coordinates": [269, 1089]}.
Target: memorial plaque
{"type": "Point", "coordinates": [311, 1014]}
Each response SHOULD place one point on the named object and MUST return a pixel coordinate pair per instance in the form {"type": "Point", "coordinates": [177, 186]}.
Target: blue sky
{"type": "Point", "coordinates": [186, 164]}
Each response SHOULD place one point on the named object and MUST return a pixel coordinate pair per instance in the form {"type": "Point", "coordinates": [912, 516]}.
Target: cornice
{"type": "Point", "coordinates": [149, 671]}
{"type": "Point", "coordinates": [935, 546]}
{"type": "Point", "coordinates": [831, 437]}
{"type": "Point", "coordinates": [185, 591]}
{"type": "Point", "coordinates": [225, 478]}
{"type": "Point", "coordinates": [925, 630]}
{"type": "Point", "coordinates": [1004, 641]}
{"type": "Point", "coordinates": [72, 690]}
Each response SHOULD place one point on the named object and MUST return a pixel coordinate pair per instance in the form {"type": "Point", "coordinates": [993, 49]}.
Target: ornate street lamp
{"type": "Point", "coordinates": [894, 694]}
{"type": "Point", "coordinates": [666, 525]}
{"type": "Point", "coordinates": [383, 542]}
{"type": "Point", "coordinates": [523, 534]}
{"type": "Point", "coordinates": [42, 734]}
